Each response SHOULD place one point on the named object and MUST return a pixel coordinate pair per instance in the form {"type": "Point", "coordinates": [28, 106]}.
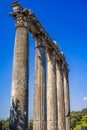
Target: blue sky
{"type": "Point", "coordinates": [66, 22]}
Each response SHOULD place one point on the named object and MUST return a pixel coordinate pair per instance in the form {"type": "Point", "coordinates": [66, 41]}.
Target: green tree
{"type": "Point", "coordinates": [86, 119]}
{"type": "Point", "coordinates": [75, 118]}
{"type": "Point", "coordinates": [84, 111]}
{"type": "Point", "coordinates": [0, 125]}
{"type": "Point", "coordinates": [4, 124]}
{"type": "Point", "coordinates": [30, 125]}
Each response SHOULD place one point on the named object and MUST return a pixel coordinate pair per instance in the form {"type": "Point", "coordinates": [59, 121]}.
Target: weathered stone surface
{"type": "Point", "coordinates": [60, 96]}
{"type": "Point", "coordinates": [66, 97]}
{"type": "Point", "coordinates": [51, 95]}
{"type": "Point", "coordinates": [19, 96]}
{"type": "Point", "coordinates": [39, 122]}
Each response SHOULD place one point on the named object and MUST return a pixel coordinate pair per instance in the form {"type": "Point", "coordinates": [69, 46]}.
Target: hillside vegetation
{"type": "Point", "coordinates": [79, 119]}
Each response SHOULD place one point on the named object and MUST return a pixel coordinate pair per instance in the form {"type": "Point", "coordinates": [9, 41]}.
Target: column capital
{"type": "Point", "coordinates": [64, 64]}
{"type": "Point", "coordinates": [59, 62]}
{"type": "Point", "coordinates": [20, 14]}
{"type": "Point", "coordinates": [65, 67]}
{"type": "Point", "coordinates": [51, 53]}
{"type": "Point", "coordinates": [39, 41]}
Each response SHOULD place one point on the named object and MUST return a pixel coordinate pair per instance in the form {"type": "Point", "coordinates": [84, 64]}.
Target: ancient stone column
{"type": "Point", "coordinates": [60, 95]}
{"type": "Point", "coordinates": [66, 96]}
{"type": "Point", "coordinates": [39, 122]}
{"type": "Point", "coordinates": [51, 94]}
{"type": "Point", "coordinates": [19, 95]}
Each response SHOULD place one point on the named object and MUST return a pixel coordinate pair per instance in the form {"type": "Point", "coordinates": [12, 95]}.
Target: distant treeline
{"type": "Point", "coordinates": [78, 121]}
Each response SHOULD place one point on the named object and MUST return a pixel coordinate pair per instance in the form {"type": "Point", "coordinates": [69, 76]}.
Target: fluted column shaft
{"type": "Point", "coordinates": [51, 94]}
{"type": "Point", "coordinates": [39, 122]}
{"type": "Point", "coordinates": [60, 96]}
{"type": "Point", "coordinates": [66, 99]}
{"type": "Point", "coordinates": [19, 96]}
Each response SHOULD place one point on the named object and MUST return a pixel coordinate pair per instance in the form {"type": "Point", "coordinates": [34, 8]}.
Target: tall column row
{"type": "Point", "coordinates": [51, 99]}
{"type": "Point", "coordinates": [53, 113]}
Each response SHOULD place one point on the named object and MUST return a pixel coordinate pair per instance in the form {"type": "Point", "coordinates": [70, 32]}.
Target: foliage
{"type": "Point", "coordinates": [84, 111]}
{"type": "Point", "coordinates": [4, 124]}
{"type": "Point", "coordinates": [30, 125]}
{"type": "Point", "coordinates": [79, 119]}
{"type": "Point", "coordinates": [75, 117]}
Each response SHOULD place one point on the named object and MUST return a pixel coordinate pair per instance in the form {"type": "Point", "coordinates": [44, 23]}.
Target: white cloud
{"type": "Point", "coordinates": [84, 98]}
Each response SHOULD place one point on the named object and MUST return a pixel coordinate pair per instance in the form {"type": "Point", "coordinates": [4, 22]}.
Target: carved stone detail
{"type": "Point", "coordinates": [20, 15]}
{"type": "Point", "coordinates": [21, 20]}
